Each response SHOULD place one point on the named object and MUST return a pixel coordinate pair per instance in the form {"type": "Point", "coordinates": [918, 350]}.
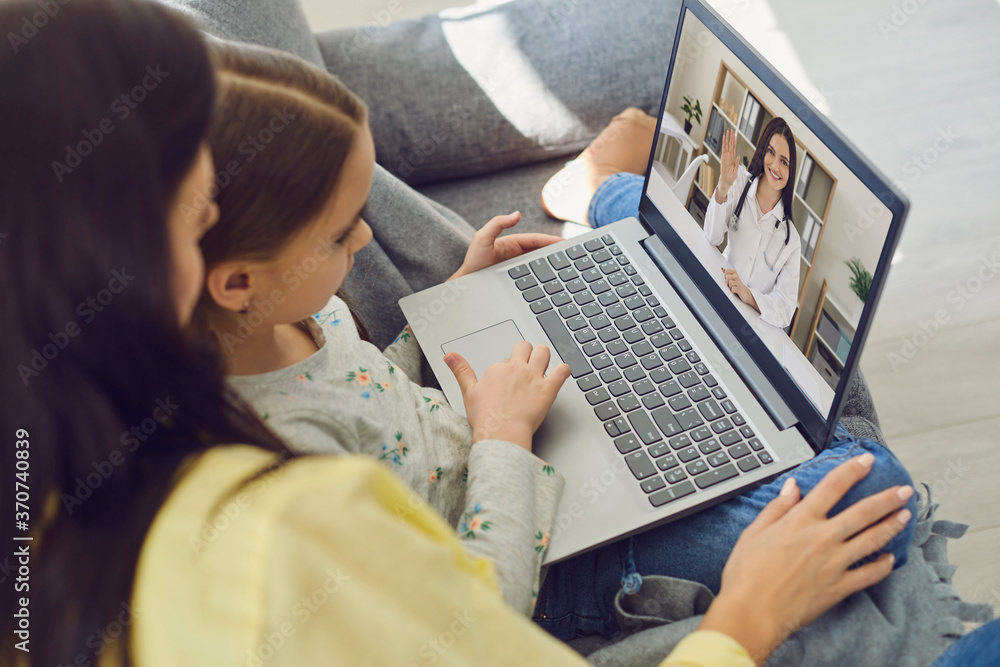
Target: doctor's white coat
{"type": "Point", "coordinates": [776, 292]}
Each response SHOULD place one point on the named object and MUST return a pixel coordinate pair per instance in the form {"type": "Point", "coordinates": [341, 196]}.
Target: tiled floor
{"type": "Point", "coordinates": [896, 76]}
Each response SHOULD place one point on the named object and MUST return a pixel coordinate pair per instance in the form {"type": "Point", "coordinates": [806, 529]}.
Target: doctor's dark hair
{"type": "Point", "coordinates": [777, 126]}
{"type": "Point", "coordinates": [104, 396]}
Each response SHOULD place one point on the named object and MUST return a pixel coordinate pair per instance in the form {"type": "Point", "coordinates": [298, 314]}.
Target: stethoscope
{"type": "Point", "coordinates": [734, 224]}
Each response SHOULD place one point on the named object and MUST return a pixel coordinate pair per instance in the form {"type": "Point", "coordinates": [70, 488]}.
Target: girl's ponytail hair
{"type": "Point", "coordinates": [280, 135]}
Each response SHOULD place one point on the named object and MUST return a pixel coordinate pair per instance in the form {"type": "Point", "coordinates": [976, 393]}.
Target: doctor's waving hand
{"type": "Point", "coordinates": [755, 207]}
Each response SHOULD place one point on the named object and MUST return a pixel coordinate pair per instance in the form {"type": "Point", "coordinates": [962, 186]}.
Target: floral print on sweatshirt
{"type": "Point", "coordinates": [349, 398]}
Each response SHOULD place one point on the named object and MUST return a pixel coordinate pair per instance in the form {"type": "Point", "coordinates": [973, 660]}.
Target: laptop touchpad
{"type": "Point", "coordinates": [487, 346]}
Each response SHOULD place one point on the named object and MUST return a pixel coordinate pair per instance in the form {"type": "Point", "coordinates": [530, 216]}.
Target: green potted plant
{"type": "Point", "coordinates": [861, 280]}
{"type": "Point", "coordinates": [691, 112]}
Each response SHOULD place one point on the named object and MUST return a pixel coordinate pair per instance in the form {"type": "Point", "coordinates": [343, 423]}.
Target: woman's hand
{"type": "Point", "coordinates": [737, 287]}
{"type": "Point", "coordinates": [512, 398]}
{"type": "Point", "coordinates": [792, 563]}
{"type": "Point", "coordinates": [487, 248]}
{"type": "Point", "coordinates": [730, 166]}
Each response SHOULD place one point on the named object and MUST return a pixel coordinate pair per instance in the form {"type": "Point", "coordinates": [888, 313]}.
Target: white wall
{"type": "Point", "coordinates": [331, 14]}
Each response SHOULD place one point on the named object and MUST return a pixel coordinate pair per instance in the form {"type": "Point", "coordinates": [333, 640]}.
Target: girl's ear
{"type": "Point", "coordinates": [230, 284]}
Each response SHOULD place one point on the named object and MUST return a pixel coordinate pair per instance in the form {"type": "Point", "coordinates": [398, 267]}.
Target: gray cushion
{"type": "Point", "coordinates": [280, 24]}
{"type": "Point", "coordinates": [479, 198]}
{"type": "Point", "coordinates": [474, 90]}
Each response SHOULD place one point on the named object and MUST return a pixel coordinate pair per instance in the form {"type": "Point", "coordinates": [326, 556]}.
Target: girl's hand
{"type": "Point", "coordinates": [737, 287]}
{"type": "Point", "coordinates": [792, 563]}
{"type": "Point", "coordinates": [487, 248]}
{"type": "Point", "coordinates": [512, 398]}
{"type": "Point", "coordinates": [730, 166]}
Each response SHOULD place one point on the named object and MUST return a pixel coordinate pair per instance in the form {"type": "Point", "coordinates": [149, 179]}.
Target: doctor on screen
{"type": "Point", "coordinates": [755, 208]}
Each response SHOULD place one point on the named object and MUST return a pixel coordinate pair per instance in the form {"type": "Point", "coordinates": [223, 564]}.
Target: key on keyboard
{"type": "Point", "coordinates": [600, 315]}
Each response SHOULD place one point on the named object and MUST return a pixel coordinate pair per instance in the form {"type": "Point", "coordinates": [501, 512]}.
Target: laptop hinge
{"type": "Point", "coordinates": [777, 409]}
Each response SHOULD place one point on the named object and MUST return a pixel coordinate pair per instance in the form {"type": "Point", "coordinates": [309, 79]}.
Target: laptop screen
{"type": "Point", "coordinates": [788, 230]}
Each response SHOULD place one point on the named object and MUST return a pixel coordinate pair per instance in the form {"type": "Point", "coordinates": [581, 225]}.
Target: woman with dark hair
{"type": "Point", "coordinates": [163, 523]}
{"type": "Point", "coordinates": [754, 206]}
{"type": "Point", "coordinates": [104, 110]}
{"type": "Point", "coordinates": [157, 522]}
{"type": "Point", "coordinates": [604, 184]}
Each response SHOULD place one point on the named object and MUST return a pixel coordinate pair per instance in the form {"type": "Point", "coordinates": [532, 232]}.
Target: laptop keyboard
{"type": "Point", "coordinates": [657, 400]}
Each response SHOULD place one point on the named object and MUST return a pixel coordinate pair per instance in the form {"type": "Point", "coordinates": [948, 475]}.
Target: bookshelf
{"type": "Point", "coordinates": [735, 106]}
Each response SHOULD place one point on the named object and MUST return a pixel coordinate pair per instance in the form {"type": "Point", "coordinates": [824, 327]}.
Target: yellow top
{"type": "Point", "coordinates": [329, 561]}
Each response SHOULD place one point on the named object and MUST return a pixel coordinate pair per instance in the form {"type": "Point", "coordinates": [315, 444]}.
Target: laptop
{"type": "Point", "coordinates": [681, 395]}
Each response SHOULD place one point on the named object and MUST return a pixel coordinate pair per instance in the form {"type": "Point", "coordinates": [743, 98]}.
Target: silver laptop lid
{"type": "Point", "coordinates": [831, 237]}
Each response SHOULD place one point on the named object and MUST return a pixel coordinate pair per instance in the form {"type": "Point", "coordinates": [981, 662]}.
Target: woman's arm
{"type": "Point", "coordinates": [510, 508]}
{"type": "Point", "coordinates": [777, 306]}
{"type": "Point", "coordinates": [331, 560]}
{"type": "Point", "coordinates": [717, 215]}
{"type": "Point", "coordinates": [406, 354]}
{"type": "Point", "coordinates": [352, 581]}
{"type": "Point", "coordinates": [792, 563]}
{"type": "Point", "coordinates": [721, 203]}
{"type": "Point", "coordinates": [361, 571]}
{"type": "Point", "coordinates": [488, 247]}
{"type": "Point", "coordinates": [505, 408]}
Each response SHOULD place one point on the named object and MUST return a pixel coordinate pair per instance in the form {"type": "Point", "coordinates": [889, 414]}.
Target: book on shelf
{"type": "Point", "coordinates": [805, 173]}
{"type": "Point", "coordinates": [762, 119]}
{"type": "Point", "coordinates": [716, 126]}
{"type": "Point", "coordinates": [744, 116]}
{"type": "Point", "coordinates": [807, 228]}
{"type": "Point", "coordinates": [751, 115]}
{"type": "Point", "coordinates": [813, 238]}
{"type": "Point", "coordinates": [707, 181]}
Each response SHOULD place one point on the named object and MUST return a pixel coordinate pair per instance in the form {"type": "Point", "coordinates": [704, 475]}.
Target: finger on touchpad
{"type": "Point", "coordinates": [487, 346]}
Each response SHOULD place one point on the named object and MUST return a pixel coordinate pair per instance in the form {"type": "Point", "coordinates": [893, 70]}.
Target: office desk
{"type": "Point", "coordinates": [807, 377]}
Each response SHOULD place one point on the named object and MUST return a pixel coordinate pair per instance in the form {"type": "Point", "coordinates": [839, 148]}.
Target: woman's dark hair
{"type": "Point", "coordinates": [777, 126]}
{"type": "Point", "coordinates": [105, 105]}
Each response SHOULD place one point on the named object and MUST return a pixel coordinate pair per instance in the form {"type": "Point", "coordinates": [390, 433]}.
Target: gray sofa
{"type": "Point", "coordinates": [475, 109]}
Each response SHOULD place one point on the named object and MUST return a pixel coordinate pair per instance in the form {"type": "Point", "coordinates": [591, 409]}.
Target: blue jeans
{"type": "Point", "coordinates": [979, 648]}
{"type": "Point", "coordinates": [577, 598]}
{"type": "Point", "coordinates": [616, 198]}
